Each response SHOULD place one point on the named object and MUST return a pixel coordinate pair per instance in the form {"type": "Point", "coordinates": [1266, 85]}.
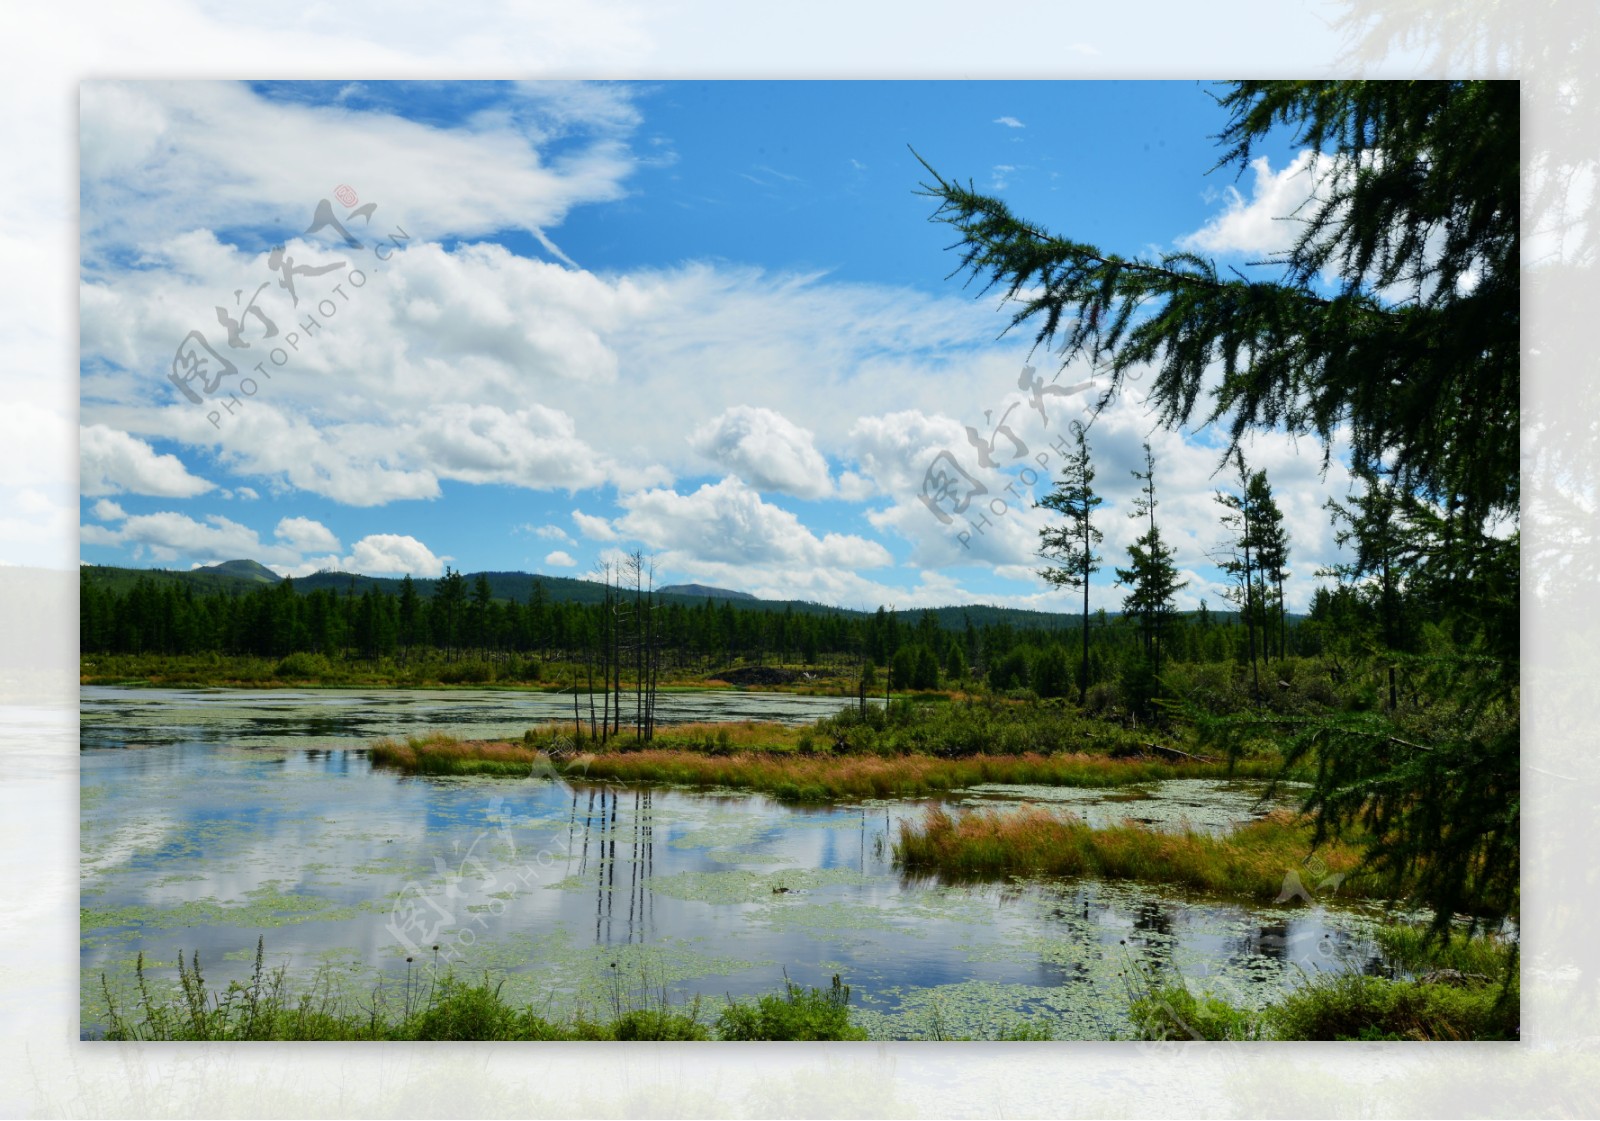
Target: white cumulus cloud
{"type": "Point", "coordinates": [393, 554]}
{"type": "Point", "coordinates": [169, 536]}
{"type": "Point", "coordinates": [595, 529]}
{"type": "Point", "coordinates": [146, 144]}
{"type": "Point", "coordinates": [729, 522]}
{"type": "Point", "coordinates": [306, 535]}
{"type": "Point", "coordinates": [1264, 223]}
{"type": "Point", "coordinates": [113, 462]}
{"type": "Point", "coordinates": [765, 449]}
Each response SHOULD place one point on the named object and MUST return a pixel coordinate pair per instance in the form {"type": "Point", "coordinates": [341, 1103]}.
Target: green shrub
{"type": "Point", "coordinates": [1349, 1006]}
{"type": "Point", "coordinates": [467, 673]}
{"type": "Point", "coordinates": [443, 1008]}
{"type": "Point", "coordinates": [657, 1024]}
{"type": "Point", "coordinates": [1173, 1012]}
{"type": "Point", "coordinates": [301, 665]}
{"type": "Point", "coordinates": [800, 1013]}
{"type": "Point", "coordinates": [1052, 675]}
{"type": "Point", "coordinates": [1011, 671]}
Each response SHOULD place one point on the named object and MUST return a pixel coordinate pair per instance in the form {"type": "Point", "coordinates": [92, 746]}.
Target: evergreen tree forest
{"type": "Point", "coordinates": [463, 631]}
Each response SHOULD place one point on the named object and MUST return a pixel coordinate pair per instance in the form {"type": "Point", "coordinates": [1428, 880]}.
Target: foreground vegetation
{"type": "Point", "coordinates": [1464, 988]}
{"type": "Point", "coordinates": [1440, 1001]}
{"type": "Point", "coordinates": [450, 1008]}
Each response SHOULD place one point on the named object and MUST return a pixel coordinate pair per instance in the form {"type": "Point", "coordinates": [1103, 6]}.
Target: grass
{"type": "Point", "coordinates": [1446, 1003]}
{"type": "Point", "coordinates": [425, 669]}
{"type": "Point", "coordinates": [1417, 950]}
{"type": "Point", "coordinates": [728, 736]}
{"type": "Point", "coordinates": [1467, 988]}
{"type": "Point", "coordinates": [449, 1008]}
{"type": "Point", "coordinates": [1351, 1006]}
{"type": "Point", "coordinates": [1251, 861]}
{"type": "Point", "coordinates": [440, 754]}
{"type": "Point", "coordinates": [801, 1014]}
{"type": "Point", "coordinates": [802, 765]}
{"type": "Point", "coordinates": [798, 778]}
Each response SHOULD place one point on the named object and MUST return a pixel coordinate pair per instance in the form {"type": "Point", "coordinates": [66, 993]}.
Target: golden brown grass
{"type": "Point", "coordinates": [740, 735]}
{"type": "Point", "coordinates": [440, 754]}
{"type": "Point", "coordinates": [754, 756]}
{"type": "Point", "coordinates": [821, 778]}
{"type": "Point", "coordinates": [1252, 861]}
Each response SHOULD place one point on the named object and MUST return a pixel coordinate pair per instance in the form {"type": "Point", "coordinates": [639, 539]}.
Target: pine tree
{"type": "Point", "coordinates": [1272, 559]}
{"type": "Point", "coordinates": [478, 616]}
{"type": "Point", "coordinates": [410, 614]}
{"type": "Point", "coordinates": [1152, 578]}
{"type": "Point", "coordinates": [1073, 542]}
{"type": "Point", "coordinates": [1238, 559]}
{"type": "Point", "coordinates": [1372, 520]}
{"type": "Point", "coordinates": [449, 599]}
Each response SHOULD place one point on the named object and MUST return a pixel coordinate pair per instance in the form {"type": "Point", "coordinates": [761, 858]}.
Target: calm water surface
{"type": "Point", "coordinates": [257, 813]}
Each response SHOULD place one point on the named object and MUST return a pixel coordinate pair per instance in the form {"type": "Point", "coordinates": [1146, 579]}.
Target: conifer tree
{"type": "Point", "coordinates": [1152, 582]}
{"type": "Point", "coordinates": [409, 614]}
{"type": "Point", "coordinates": [1372, 521]}
{"type": "Point", "coordinates": [1072, 543]}
{"type": "Point", "coordinates": [1152, 577]}
{"type": "Point", "coordinates": [1272, 560]}
{"type": "Point", "coordinates": [1239, 557]}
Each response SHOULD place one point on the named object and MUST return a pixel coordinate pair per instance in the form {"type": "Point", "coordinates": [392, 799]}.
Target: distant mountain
{"type": "Point", "coordinates": [250, 571]}
{"type": "Point", "coordinates": [701, 591]}
{"type": "Point", "coordinates": [236, 576]}
{"type": "Point", "coordinates": [242, 576]}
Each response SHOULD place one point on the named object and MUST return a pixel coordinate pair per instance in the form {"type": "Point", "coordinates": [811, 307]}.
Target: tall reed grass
{"type": "Point", "coordinates": [440, 754]}
{"type": "Point", "coordinates": [794, 778]}
{"type": "Point", "coordinates": [1253, 861]}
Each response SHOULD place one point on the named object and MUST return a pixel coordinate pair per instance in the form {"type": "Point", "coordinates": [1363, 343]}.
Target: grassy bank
{"type": "Point", "coordinates": [424, 670]}
{"type": "Point", "coordinates": [1443, 1002]}
{"type": "Point", "coordinates": [773, 760]}
{"type": "Point", "coordinates": [269, 1008]}
{"type": "Point", "coordinates": [1251, 861]}
{"type": "Point", "coordinates": [439, 754]}
{"type": "Point", "coordinates": [799, 778]}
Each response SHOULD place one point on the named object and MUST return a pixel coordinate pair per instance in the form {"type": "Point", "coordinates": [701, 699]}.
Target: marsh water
{"type": "Point", "coordinates": [211, 818]}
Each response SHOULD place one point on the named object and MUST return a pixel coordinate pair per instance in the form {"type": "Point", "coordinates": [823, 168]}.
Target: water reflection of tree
{"type": "Point", "coordinates": [596, 850]}
{"type": "Point", "coordinates": [1267, 941]}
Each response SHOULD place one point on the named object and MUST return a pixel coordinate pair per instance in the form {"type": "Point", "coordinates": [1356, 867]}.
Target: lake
{"type": "Point", "coordinates": [213, 817]}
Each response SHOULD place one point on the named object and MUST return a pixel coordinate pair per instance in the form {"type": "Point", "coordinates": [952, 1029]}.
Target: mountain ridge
{"type": "Point", "coordinates": [244, 575]}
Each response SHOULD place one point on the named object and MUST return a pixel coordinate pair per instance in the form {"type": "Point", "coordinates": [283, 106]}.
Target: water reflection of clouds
{"type": "Point", "coordinates": [341, 718]}
{"type": "Point", "coordinates": [247, 827]}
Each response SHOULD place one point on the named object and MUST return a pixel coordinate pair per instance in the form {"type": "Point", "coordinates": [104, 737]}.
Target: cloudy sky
{"type": "Point", "coordinates": [386, 327]}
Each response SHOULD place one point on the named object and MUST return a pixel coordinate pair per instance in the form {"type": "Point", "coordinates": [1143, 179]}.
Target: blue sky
{"type": "Point", "coordinates": [709, 320]}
